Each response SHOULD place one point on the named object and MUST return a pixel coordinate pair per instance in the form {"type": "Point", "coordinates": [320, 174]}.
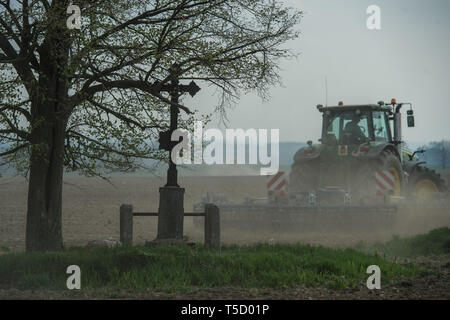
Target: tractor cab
{"type": "Point", "coordinates": [355, 125]}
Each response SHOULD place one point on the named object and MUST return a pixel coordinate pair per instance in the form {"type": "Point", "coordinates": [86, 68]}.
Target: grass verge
{"type": "Point", "coordinates": [175, 268]}
{"type": "Point", "coordinates": [435, 242]}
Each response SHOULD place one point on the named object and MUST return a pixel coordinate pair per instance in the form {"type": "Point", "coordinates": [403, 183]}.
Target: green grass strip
{"type": "Point", "coordinates": [435, 242]}
{"type": "Point", "coordinates": [177, 267]}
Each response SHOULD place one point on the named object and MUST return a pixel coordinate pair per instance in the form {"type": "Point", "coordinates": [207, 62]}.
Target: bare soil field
{"type": "Point", "coordinates": [91, 211]}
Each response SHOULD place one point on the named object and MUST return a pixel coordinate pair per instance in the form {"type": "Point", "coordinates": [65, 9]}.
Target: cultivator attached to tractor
{"type": "Point", "coordinates": [356, 178]}
{"type": "Point", "coordinates": [264, 214]}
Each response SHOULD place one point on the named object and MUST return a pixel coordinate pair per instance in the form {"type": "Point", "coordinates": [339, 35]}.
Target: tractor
{"type": "Point", "coordinates": [357, 178]}
{"type": "Point", "coordinates": [361, 151]}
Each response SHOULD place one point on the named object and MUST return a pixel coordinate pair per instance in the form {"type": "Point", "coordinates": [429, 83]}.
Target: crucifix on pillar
{"type": "Point", "coordinates": [171, 196]}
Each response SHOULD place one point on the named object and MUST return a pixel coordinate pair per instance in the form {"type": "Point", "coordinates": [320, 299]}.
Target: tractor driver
{"type": "Point", "coordinates": [353, 133]}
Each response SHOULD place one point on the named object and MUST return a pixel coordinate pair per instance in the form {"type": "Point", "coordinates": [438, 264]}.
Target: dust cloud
{"type": "Point", "coordinates": [91, 211]}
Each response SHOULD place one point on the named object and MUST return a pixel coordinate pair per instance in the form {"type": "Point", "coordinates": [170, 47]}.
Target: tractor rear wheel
{"type": "Point", "coordinates": [303, 177]}
{"type": "Point", "coordinates": [424, 183]}
{"type": "Point", "coordinates": [367, 188]}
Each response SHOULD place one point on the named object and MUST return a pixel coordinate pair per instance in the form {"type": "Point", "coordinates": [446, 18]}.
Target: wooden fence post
{"type": "Point", "coordinates": [212, 226]}
{"type": "Point", "coordinates": [126, 224]}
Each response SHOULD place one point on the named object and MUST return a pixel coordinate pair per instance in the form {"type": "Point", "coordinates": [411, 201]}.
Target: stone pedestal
{"type": "Point", "coordinates": [212, 226]}
{"type": "Point", "coordinates": [126, 224]}
{"type": "Point", "coordinates": [170, 213]}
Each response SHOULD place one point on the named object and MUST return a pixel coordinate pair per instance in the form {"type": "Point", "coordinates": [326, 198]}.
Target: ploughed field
{"type": "Point", "coordinates": [91, 211]}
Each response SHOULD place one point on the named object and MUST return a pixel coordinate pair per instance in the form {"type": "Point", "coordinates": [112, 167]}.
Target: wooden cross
{"type": "Point", "coordinates": [175, 90]}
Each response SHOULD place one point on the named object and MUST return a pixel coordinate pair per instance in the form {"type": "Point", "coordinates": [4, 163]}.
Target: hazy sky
{"type": "Point", "coordinates": [408, 59]}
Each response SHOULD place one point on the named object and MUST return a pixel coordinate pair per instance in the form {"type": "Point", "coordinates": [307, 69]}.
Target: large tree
{"type": "Point", "coordinates": [89, 100]}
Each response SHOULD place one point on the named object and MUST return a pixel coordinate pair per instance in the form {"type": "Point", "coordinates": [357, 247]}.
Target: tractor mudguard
{"type": "Point", "coordinates": [376, 150]}
{"type": "Point", "coordinates": [410, 166]}
{"type": "Point", "coordinates": [304, 154]}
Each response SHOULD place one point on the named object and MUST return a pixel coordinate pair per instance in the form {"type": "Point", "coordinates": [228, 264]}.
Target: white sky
{"type": "Point", "coordinates": [408, 59]}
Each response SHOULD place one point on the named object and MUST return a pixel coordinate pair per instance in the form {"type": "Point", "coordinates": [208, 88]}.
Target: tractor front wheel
{"type": "Point", "coordinates": [425, 183]}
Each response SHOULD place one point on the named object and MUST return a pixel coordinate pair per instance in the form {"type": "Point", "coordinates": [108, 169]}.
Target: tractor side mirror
{"type": "Point", "coordinates": [410, 118]}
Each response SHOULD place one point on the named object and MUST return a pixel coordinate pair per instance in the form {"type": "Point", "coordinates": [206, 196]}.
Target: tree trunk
{"type": "Point", "coordinates": [49, 119]}
{"type": "Point", "coordinates": [44, 214]}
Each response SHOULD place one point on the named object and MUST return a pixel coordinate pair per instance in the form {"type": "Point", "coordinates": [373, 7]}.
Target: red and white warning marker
{"type": "Point", "coordinates": [385, 181]}
{"type": "Point", "coordinates": [276, 184]}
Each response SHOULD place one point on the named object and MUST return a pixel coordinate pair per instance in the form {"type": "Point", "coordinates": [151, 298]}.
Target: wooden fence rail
{"type": "Point", "coordinates": [211, 223]}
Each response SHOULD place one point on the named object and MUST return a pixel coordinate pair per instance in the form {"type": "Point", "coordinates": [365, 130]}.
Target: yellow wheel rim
{"type": "Point", "coordinates": [397, 185]}
{"type": "Point", "coordinates": [425, 189]}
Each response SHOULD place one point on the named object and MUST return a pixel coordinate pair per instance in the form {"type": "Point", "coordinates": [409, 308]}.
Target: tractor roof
{"type": "Point", "coordinates": [362, 107]}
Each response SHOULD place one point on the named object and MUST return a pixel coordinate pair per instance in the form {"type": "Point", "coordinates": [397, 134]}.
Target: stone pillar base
{"type": "Point", "coordinates": [170, 214]}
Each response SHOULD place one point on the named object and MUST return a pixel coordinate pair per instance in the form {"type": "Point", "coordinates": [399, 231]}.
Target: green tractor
{"type": "Point", "coordinates": [361, 152]}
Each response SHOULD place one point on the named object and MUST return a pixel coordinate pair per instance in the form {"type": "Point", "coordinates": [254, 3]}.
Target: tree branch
{"type": "Point", "coordinates": [153, 89]}
{"type": "Point", "coordinates": [14, 150]}
{"type": "Point", "coordinates": [122, 117]}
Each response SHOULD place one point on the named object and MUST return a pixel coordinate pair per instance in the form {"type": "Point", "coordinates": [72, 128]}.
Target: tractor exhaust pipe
{"type": "Point", "coordinates": [398, 124]}
{"type": "Point", "coordinates": [398, 130]}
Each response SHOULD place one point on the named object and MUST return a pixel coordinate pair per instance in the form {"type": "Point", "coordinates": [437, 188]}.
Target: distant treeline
{"type": "Point", "coordinates": [286, 154]}
{"type": "Point", "coordinates": [437, 155]}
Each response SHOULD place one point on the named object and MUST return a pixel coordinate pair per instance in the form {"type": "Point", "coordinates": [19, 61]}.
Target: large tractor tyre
{"type": "Point", "coordinates": [366, 188]}
{"type": "Point", "coordinates": [303, 177]}
{"type": "Point", "coordinates": [424, 183]}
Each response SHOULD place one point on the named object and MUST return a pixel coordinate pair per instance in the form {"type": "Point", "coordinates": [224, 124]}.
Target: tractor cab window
{"type": "Point", "coordinates": [345, 128]}
{"type": "Point", "coordinates": [355, 129]}
{"type": "Point", "coordinates": [331, 130]}
{"type": "Point", "coordinates": [380, 126]}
